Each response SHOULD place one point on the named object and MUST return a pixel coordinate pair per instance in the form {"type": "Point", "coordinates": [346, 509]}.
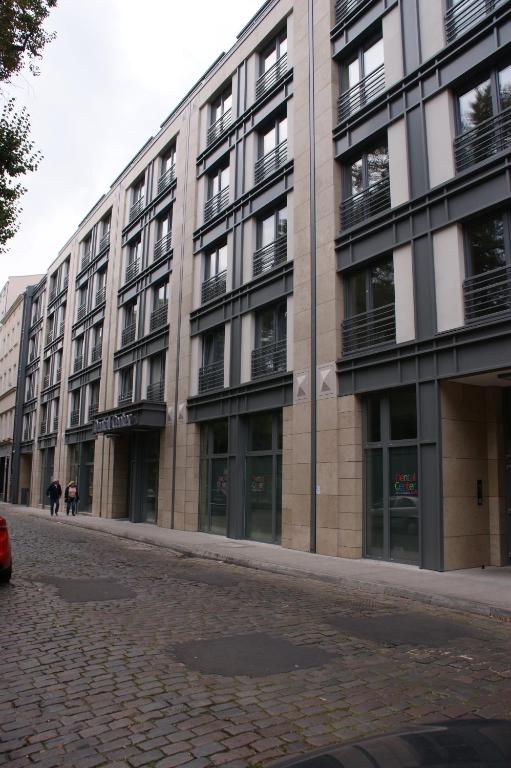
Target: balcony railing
{"type": "Point", "coordinates": [74, 418]}
{"type": "Point", "coordinates": [270, 162]}
{"type": "Point", "coordinates": [269, 78]}
{"type": "Point", "coordinates": [367, 203]}
{"type": "Point", "coordinates": [162, 246]}
{"type": "Point", "coordinates": [78, 363]}
{"type": "Point", "coordinates": [93, 409]}
{"type": "Point", "coordinates": [49, 337]}
{"type": "Point", "coordinates": [219, 126]}
{"type": "Point", "coordinates": [465, 14]}
{"type": "Point", "coordinates": [62, 328]}
{"type": "Point", "coordinates": [104, 242]}
{"type": "Point", "coordinates": [216, 204]}
{"type": "Point", "coordinates": [125, 397]}
{"type": "Point", "coordinates": [361, 94]}
{"type": "Point", "coordinates": [377, 326]}
{"type": "Point", "coordinates": [55, 424]}
{"type": "Point", "coordinates": [269, 359]}
{"type": "Point", "coordinates": [27, 434]}
{"type": "Point", "coordinates": [132, 270]}
{"type": "Point", "coordinates": [128, 334]}
{"type": "Point", "coordinates": [166, 179]}
{"type": "Point", "coordinates": [58, 375]}
{"type": "Point", "coordinates": [43, 428]}
{"type": "Point", "coordinates": [46, 381]}
{"type": "Point", "coordinates": [214, 286]}
{"type": "Point", "coordinates": [100, 295]}
{"type": "Point", "coordinates": [155, 392]}
{"type": "Point", "coordinates": [30, 394]}
{"type": "Point", "coordinates": [32, 355]}
{"type": "Point", "coordinates": [344, 8]}
{"type": "Point", "coordinates": [85, 260]}
{"type": "Point", "coordinates": [81, 311]}
{"type": "Point", "coordinates": [96, 352]}
{"type": "Point", "coordinates": [486, 139]}
{"type": "Point", "coordinates": [270, 256]}
{"type": "Point", "coordinates": [487, 293]}
{"type": "Point", "coordinates": [211, 376]}
{"type": "Point", "coordinates": [136, 208]}
{"type": "Point", "coordinates": [65, 282]}
{"type": "Point", "coordinates": [52, 295]}
{"type": "Point", "coordinates": [159, 316]}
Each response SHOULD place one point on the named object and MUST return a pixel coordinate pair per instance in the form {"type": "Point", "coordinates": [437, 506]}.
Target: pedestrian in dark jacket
{"type": "Point", "coordinates": [54, 492]}
{"type": "Point", "coordinates": [71, 498]}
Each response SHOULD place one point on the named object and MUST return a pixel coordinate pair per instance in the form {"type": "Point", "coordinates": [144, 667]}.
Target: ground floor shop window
{"type": "Point", "coordinates": [392, 476]}
{"type": "Point", "coordinates": [263, 481]}
{"type": "Point", "coordinates": [214, 477]}
{"type": "Point", "coordinates": [150, 477]}
{"type": "Point", "coordinates": [81, 471]}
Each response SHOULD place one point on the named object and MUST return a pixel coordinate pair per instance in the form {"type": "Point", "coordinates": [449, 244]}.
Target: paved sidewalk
{"type": "Point", "coordinates": [481, 591]}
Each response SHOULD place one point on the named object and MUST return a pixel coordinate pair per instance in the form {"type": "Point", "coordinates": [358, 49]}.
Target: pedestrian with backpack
{"type": "Point", "coordinates": [71, 497]}
{"type": "Point", "coordinates": [54, 491]}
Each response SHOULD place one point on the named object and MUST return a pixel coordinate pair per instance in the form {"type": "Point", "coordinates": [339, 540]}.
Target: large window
{"type": "Point", "coordinates": [484, 118]}
{"type": "Point", "coordinates": [270, 353]}
{"type": "Point", "coordinates": [271, 241]}
{"type": "Point", "coordinates": [211, 374]}
{"type": "Point", "coordinates": [272, 149]}
{"type": "Point", "coordinates": [487, 289]}
{"type": "Point", "coordinates": [272, 64]}
{"type": "Point", "coordinates": [217, 192]}
{"type": "Point", "coordinates": [220, 115]}
{"type": "Point", "coordinates": [370, 311]}
{"type": "Point", "coordinates": [163, 237]}
{"type": "Point", "coordinates": [391, 476]}
{"type": "Point", "coordinates": [214, 477]}
{"type": "Point", "coordinates": [366, 186]}
{"type": "Point", "coordinates": [362, 78]}
{"type": "Point", "coordinates": [167, 169]}
{"type": "Point", "coordinates": [215, 273]}
{"type": "Point", "coordinates": [263, 478]}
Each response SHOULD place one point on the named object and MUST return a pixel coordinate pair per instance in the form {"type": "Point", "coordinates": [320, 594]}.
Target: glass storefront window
{"type": "Point", "coordinates": [404, 504]}
{"type": "Point", "coordinates": [214, 477]}
{"type": "Point", "coordinates": [261, 432]}
{"type": "Point", "coordinates": [403, 415]}
{"type": "Point", "coordinates": [374, 500]}
{"type": "Point", "coordinates": [263, 478]}
{"type": "Point", "coordinates": [373, 419]}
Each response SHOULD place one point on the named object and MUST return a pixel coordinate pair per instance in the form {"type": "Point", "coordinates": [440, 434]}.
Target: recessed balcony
{"type": "Point", "coordinates": [156, 392]}
{"type": "Point", "coordinates": [214, 286]}
{"type": "Point", "coordinates": [271, 77]}
{"type": "Point", "coordinates": [271, 162]}
{"type": "Point", "coordinates": [166, 179]}
{"type": "Point", "coordinates": [163, 246]}
{"type": "Point", "coordinates": [211, 376]}
{"type": "Point", "coordinates": [216, 129]}
{"type": "Point", "coordinates": [159, 316]}
{"type": "Point", "coordinates": [269, 359]}
{"type": "Point", "coordinates": [487, 294]}
{"type": "Point", "coordinates": [216, 204]}
{"type": "Point", "coordinates": [270, 256]}
{"type": "Point", "coordinates": [361, 94]}
{"type": "Point", "coordinates": [367, 329]}
{"type": "Point", "coordinates": [365, 204]}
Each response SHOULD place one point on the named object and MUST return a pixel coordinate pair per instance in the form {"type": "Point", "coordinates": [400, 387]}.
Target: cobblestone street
{"type": "Point", "coordinates": [123, 654]}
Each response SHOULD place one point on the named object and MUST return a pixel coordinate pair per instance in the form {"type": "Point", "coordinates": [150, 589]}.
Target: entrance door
{"type": "Point", "coordinates": [214, 478]}
{"type": "Point", "coordinates": [263, 482]}
{"type": "Point", "coordinates": [48, 458]}
{"type": "Point", "coordinates": [150, 477]}
{"type": "Point", "coordinates": [391, 477]}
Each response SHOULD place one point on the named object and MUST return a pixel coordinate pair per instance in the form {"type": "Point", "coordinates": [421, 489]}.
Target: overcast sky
{"type": "Point", "coordinates": [115, 71]}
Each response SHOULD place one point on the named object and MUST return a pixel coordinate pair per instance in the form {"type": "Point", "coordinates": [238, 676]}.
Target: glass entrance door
{"type": "Point", "coordinates": [214, 478]}
{"type": "Point", "coordinates": [263, 480]}
{"type": "Point", "coordinates": [391, 477]}
{"type": "Point", "coordinates": [150, 477]}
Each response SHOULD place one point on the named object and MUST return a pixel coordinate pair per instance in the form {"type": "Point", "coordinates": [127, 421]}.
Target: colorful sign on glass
{"type": "Point", "coordinates": [405, 484]}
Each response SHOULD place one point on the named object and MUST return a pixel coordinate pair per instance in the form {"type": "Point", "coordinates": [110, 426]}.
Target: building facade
{"type": "Point", "coordinates": [289, 319]}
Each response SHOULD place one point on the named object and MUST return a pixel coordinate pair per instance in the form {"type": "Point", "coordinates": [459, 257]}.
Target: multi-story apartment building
{"type": "Point", "coordinates": [289, 319]}
{"type": "Point", "coordinates": [12, 303]}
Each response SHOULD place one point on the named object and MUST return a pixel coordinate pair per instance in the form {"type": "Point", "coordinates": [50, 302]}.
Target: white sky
{"type": "Point", "coordinates": [113, 74]}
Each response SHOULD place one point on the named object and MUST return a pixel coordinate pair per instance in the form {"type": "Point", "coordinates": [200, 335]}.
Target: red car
{"type": "Point", "coordinates": [5, 552]}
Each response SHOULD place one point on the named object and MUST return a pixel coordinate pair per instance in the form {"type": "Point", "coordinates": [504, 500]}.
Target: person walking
{"type": "Point", "coordinates": [54, 491]}
{"type": "Point", "coordinates": [71, 497]}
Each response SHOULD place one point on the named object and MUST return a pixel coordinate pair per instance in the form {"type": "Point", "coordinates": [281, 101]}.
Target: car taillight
{"type": "Point", "coordinates": [4, 539]}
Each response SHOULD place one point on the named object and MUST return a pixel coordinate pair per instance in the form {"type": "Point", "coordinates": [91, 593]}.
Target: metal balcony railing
{"type": "Point", "coordinates": [377, 326]}
{"type": "Point", "coordinates": [34, 319]}
{"type": "Point", "coordinates": [270, 256]}
{"type": "Point", "coordinates": [166, 179]}
{"type": "Point", "coordinates": [96, 352]}
{"type": "Point", "coordinates": [55, 424]}
{"type": "Point", "coordinates": [85, 260]}
{"type": "Point", "coordinates": [132, 270]}
{"type": "Point", "coordinates": [216, 204]}
{"type": "Point", "coordinates": [269, 78]}
{"type": "Point", "coordinates": [216, 129]}
{"type": "Point", "coordinates": [30, 394]}
{"type": "Point", "coordinates": [269, 359]}
{"type": "Point", "coordinates": [32, 355]}
{"type": "Point", "coordinates": [344, 8]}
{"type": "Point", "coordinates": [27, 435]}
{"type": "Point", "coordinates": [136, 209]}
{"type": "Point", "coordinates": [465, 14]}
{"type": "Point", "coordinates": [214, 286]}
{"type": "Point", "coordinates": [78, 363]}
{"type": "Point", "coordinates": [125, 397]}
{"type": "Point", "coordinates": [486, 139]}
{"type": "Point", "coordinates": [211, 376]}
{"type": "Point", "coordinates": [155, 392]}
{"type": "Point", "coordinates": [93, 409]}
{"type": "Point", "coordinates": [52, 295]}
{"type": "Point", "coordinates": [62, 328]}
{"type": "Point", "coordinates": [367, 203]}
{"type": "Point", "coordinates": [43, 428]}
{"type": "Point", "coordinates": [74, 418]}
{"type": "Point", "coordinates": [49, 337]}
{"type": "Point", "coordinates": [162, 246]}
{"type": "Point", "coordinates": [58, 375]}
{"type": "Point", "coordinates": [100, 295]}
{"type": "Point", "coordinates": [159, 316]}
{"type": "Point", "coordinates": [270, 162]}
{"type": "Point", "coordinates": [65, 282]}
{"type": "Point", "coordinates": [128, 334]}
{"type": "Point", "coordinates": [46, 381]}
{"type": "Point", "coordinates": [104, 242]}
{"type": "Point", "coordinates": [487, 293]}
{"type": "Point", "coordinates": [361, 94]}
{"type": "Point", "coordinates": [81, 311]}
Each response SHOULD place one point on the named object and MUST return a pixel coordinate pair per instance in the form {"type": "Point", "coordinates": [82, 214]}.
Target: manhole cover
{"type": "Point", "coordinates": [403, 629]}
{"type": "Point", "coordinates": [252, 655]}
{"type": "Point", "coordinates": [87, 590]}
